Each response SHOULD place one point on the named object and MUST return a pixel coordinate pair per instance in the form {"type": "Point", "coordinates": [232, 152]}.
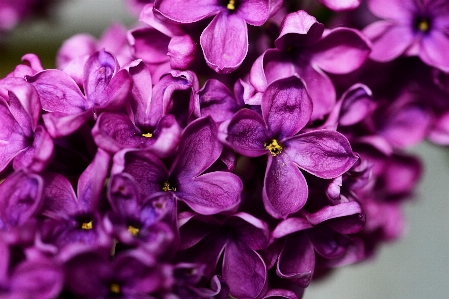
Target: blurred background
{"type": "Point", "coordinates": [417, 266]}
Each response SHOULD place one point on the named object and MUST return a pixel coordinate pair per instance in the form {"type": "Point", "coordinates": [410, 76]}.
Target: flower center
{"type": "Point", "coordinates": [86, 225]}
{"type": "Point", "coordinates": [423, 25]}
{"type": "Point", "coordinates": [167, 187]}
{"type": "Point", "coordinates": [274, 147]}
{"type": "Point", "coordinates": [133, 230]}
{"type": "Point", "coordinates": [147, 135]}
{"type": "Point", "coordinates": [231, 5]}
{"type": "Point", "coordinates": [114, 288]}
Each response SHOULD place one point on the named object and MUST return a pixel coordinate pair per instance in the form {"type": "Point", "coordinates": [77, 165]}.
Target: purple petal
{"type": "Point", "coordinates": [98, 72]}
{"type": "Point", "coordinates": [78, 45]}
{"type": "Point", "coordinates": [255, 12]}
{"type": "Point", "coordinates": [431, 49]}
{"type": "Point", "coordinates": [289, 226]}
{"type": "Point", "coordinates": [297, 260]}
{"type": "Point", "coordinates": [37, 156]}
{"type": "Point", "coordinates": [123, 194]}
{"type": "Point", "coordinates": [357, 104]}
{"type": "Point", "coordinates": [167, 136]}
{"type": "Point", "coordinates": [244, 271]}
{"type": "Point", "coordinates": [181, 51]}
{"type": "Point", "coordinates": [225, 42]}
{"type": "Point", "coordinates": [286, 107]}
{"type": "Point", "coordinates": [20, 198]}
{"type": "Point", "coordinates": [150, 45]}
{"type": "Point", "coordinates": [298, 29]}
{"type": "Point", "coordinates": [339, 5]}
{"type": "Point", "coordinates": [58, 196]}
{"type": "Point", "coordinates": [198, 150]}
{"type": "Point", "coordinates": [327, 242]}
{"type": "Point", "coordinates": [323, 153]}
{"type": "Point", "coordinates": [117, 91]}
{"type": "Point", "coordinates": [187, 11]}
{"type": "Point", "coordinates": [246, 133]}
{"type": "Point", "coordinates": [59, 125]}
{"type": "Point", "coordinates": [211, 193]}
{"type": "Point", "coordinates": [285, 188]}
{"type": "Point", "coordinates": [392, 9]}
{"type": "Point", "coordinates": [91, 181]}
{"type": "Point", "coordinates": [388, 39]}
{"type": "Point", "coordinates": [217, 101]}
{"type": "Point", "coordinates": [341, 51]}
{"type": "Point", "coordinates": [142, 92]}
{"type": "Point", "coordinates": [58, 92]}
{"type": "Point", "coordinates": [249, 230]}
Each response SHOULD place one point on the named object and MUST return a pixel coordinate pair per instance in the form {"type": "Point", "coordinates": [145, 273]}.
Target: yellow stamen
{"type": "Point", "coordinates": [274, 147]}
{"type": "Point", "coordinates": [133, 230]}
{"type": "Point", "coordinates": [423, 25]}
{"type": "Point", "coordinates": [231, 5]}
{"type": "Point", "coordinates": [86, 225]}
{"type": "Point", "coordinates": [166, 187]}
{"type": "Point", "coordinates": [147, 135]}
{"type": "Point", "coordinates": [114, 288]}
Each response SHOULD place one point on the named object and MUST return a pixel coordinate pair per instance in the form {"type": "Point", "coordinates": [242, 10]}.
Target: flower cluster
{"type": "Point", "coordinates": [195, 156]}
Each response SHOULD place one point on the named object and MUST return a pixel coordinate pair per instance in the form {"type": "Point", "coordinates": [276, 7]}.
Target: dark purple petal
{"type": "Point", "coordinates": [59, 199]}
{"type": "Point", "coordinates": [323, 153]}
{"type": "Point", "coordinates": [328, 243]}
{"type": "Point", "coordinates": [297, 260]}
{"type": "Point", "coordinates": [341, 51]}
{"type": "Point", "coordinates": [244, 271]}
{"type": "Point", "coordinates": [285, 188]}
{"type": "Point", "coordinates": [225, 42]}
{"type": "Point", "coordinates": [249, 230]}
{"type": "Point", "coordinates": [211, 193]}
{"type": "Point", "coordinates": [286, 107]}
{"type": "Point", "coordinates": [246, 133]}
{"type": "Point", "coordinates": [123, 194]}
{"type": "Point", "coordinates": [198, 150]}
{"type": "Point", "coordinates": [289, 226]}
{"type": "Point", "coordinates": [58, 92]}
{"type": "Point", "coordinates": [20, 198]}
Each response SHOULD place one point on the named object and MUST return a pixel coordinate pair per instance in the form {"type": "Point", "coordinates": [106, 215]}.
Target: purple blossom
{"type": "Point", "coordinates": [411, 28]}
{"type": "Point", "coordinates": [205, 193]}
{"type": "Point", "coordinates": [105, 88]}
{"type": "Point", "coordinates": [225, 39]}
{"type": "Point", "coordinates": [286, 109]}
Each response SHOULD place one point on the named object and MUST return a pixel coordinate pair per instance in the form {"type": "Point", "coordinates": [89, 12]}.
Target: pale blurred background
{"type": "Point", "coordinates": [417, 266]}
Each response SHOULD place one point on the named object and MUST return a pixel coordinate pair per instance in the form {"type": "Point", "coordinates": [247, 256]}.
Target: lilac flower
{"type": "Point", "coordinates": [105, 87]}
{"type": "Point", "coordinates": [22, 139]}
{"type": "Point", "coordinates": [204, 239]}
{"type": "Point", "coordinates": [286, 109]}
{"type": "Point", "coordinates": [146, 126]}
{"type": "Point", "coordinates": [225, 39]}
{"type": "Point", "coordinates": [71, 219]}
{"type": "Point", "coordinates": [411, 28]}
{"type": "Point", "coordinates": [303, 49]}
{"type": "Point", "coordinates": [205, 193]}
{"type": "Point", "coordinates": [148, 223]}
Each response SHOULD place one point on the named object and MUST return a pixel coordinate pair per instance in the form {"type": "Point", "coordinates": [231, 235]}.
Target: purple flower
{"type": "Point", "coordinates": [286, 109]}
{"type": "Point", "coordinates": [302, 49]}
{"type": "Point", "coordinates": [225, 39]}
{"type": "Point", "coordinates": [22, 139]}
{"type": "Point", "coordinates": [411, 28]}
{"type": "Point", "coordinates": [205, 193]}
{"type": "Point", "coordinates": [204, 239]}
{"type": "Point", "coordinates": [105, 88]}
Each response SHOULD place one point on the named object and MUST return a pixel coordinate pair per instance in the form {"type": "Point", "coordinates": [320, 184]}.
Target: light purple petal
{"type": "Point", "coordinates": [341, 51]}
{"type": "Point", "coordinates": [431, 46]}
{"type": "Point", "coordinates": [225, 42]}
{"type": "Point", "coordinates": [211, 193]}
{"type": "Point", "coordinates": [74, 47]}
{"type": "Point", "coordinates": [58, 124]}
{"type": "Point", "coordinates": [388, 40]}
{"type": "Point", "coordinates": [244, 271]}
{"type": "Point", "coordinates": [286, 107]}
{"type": "Point", "coordinates": [285, 188]}
{"type": "Point", "coordinates": [254, 12]}
{"type": "Point", "coordinates": [246, 133]}
{"type": "Point", "coordinates": [393, 9]}
{"type": "Point", "coordinates": [323, 153]}
{"type": "Point", "coordinates": [117, 91]}
{"type": "Point", "coordinates": [181, 51]}
{"type": "Point", "coordinates": [187, 11]}
{"type": "Point", "coordinates": [150, 45]}
{"type": "Point", "coordinates": [58, 92]}
{"type": "Point", "coordinates": [340, 5]}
